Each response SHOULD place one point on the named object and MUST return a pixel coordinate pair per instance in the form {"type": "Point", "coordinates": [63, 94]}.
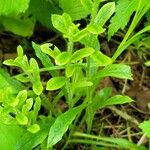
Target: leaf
{"type": "Point", "coordinates": [115, 70]}
{"type": "Point", "coordinates": [101, 59]}
{"type": "Point", "coordinates": [10, 7]}
{"type": "Point", "coordinates": [10, 134]}
{"type": "Point", "coordinates": [22, 119]}
{"type": "Point", "coordinates": [74, 8]}
{"type": "Point", "coordinates": [145, 126]}
{"type": "Point", "coordinates": [29, 140]}
{"type": "Point", "coordinates": [63, 58]}
{"type": "Point", "coordinates": [46, 61]}
{"type": "Point", "coordinates": [82, 84]}
{"type": "Point", "coordinates": [42, 11]}
{"type": "Point", "coordinates": [91, 40]}
{"type": "Point", "coordinates": [7, 81]}
{"type": "Point", "coordinates": [70, 69]}
{"type": "Point", "coordinates": [22, 27]}
{"type": "Point", "coordinates": [84, 52]}
{"type": "Point", "coordinates": [104, 14]}
{"type": "Point", "coordinates": [37, 85]}
{"type": "Point", "coordinates": [61, 125]}
{"type": "Point", "coordinates": [115, 100]}
{"type": "Point", "coordinates": [124, 10]}
{"type": "Point", "coordinates": [55, 83]}
{"type": "Point", "coordinates": [62, 23]}
{"type": "Point", "coordinates": [34, 128]}
{"type": "Point", "coordinates": [87, 4]}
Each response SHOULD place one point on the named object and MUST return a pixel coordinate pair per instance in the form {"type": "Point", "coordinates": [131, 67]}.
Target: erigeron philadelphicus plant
{"type": "Point", "coordinates": [75, 75]}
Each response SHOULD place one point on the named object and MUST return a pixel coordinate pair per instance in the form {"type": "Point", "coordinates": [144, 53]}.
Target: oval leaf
{"type": "Point", "coordinates": [78, 55]}
{"type": "Point", "coordinates": [55, 83]}
{"type": "Point", "coordinates": [62, 58]}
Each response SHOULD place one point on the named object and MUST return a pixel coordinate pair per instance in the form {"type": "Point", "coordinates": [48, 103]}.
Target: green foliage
{"type": "Point", "coordinates": [145, 126]}
{"type": "Point", "coordinates": [74, 8]}
{"type": "Point", "coordinates": [124, 10]}
{"type": "Point", "coordinates": [61, 125]}
{"type": "Point", "coordinates": [73, 76]}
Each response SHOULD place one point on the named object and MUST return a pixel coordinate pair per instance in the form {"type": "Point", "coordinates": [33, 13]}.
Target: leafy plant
{"type": "Point", "coordinates": [74, 76]}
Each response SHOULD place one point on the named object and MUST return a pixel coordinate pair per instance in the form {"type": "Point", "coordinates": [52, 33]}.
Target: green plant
{"type": "Point", "coordinates": [74, 77]}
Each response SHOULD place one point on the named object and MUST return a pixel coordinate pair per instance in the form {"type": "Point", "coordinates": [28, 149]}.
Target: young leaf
{"type": "Point", "coordinates": [55, 83]}
{"type": "Point", "coordinates": [69, 70]}
{"type": "Point", "coordinates": [104, 14]}
{"type": "Point", "coordinates": [20, 51]}
{"type": "Point", "coordinates": [61, 125]}
{"type": "Point", "coordinates": [47, 50]}
{"type": "Point", "coordinates": [84, 52]}
{"type": "Point", "coordinates": [37, 85]}
{"type": "Point", "coordinates": [21, 118]}
{"type": "Point", "coordinates": [115, 70]}
{"type": "Point", "coordinates": [124, 10]}
{"type": "Point", "coordinates": [101, 59]}
{"type": "Point", "coordinates": [145, 126]}
{"type": "Point", "coordinates": [63, 58]}
{"type": "Point", "coordinates": [62, 23]}
{"type": "Point", "coordinates": [34, 128]}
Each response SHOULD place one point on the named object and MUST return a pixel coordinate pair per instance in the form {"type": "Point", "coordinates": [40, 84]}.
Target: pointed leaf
{"type": "Point", "coordinates": [115, 70]}
{"type": "Point", "coordinates": [104, 14]}
{"type": "Point", "coordinates": [55, 83]}
{"type": "Point", "coordinates": [61, 125]}
{"type": "Point", "coordinates": [124, 10]}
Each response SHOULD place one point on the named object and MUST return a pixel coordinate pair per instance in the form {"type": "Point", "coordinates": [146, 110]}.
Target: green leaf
{"type": "Point", "coordinates": [34, 128]}
{"type": "Point", "coordinates": [115, 100]}
{"type": "Point", "coordinates": [29, 140]}
{"type": "Point", "coordinates": [101, 59]}
{"type": "Point", "coordinates": [61, 125]}
{"type": "Point", "coordinates": [22, 119]}
{"type": "Point", "coordinates": [47, 50]}
{"type": "Point", "coordinates": [20, 51]}
{"type": "Point", "coordinates": [115, 70]}
{"type": "Point", "coordinates": [145, 126]}
{"type": "Point", "coordinates": [42, 11]}
{"type": "Point", "coordinates": [62, 23]}
{"type": "Point", "coordinates": [84, 52]}
{"type": "Point", "coordinates": [37, 85]}
{"type": "Point", "coordinates": [124, 10]}
{"type": "Point", "coordinates": [95, 29]}
{"type": "Point", "coordinates": [69, 70]}
{"type": "Point", "coordinates": [7, 81]}
{"type": "Point", "coordinates": [10, 134]}
{"type": "Point", "coordinates": [74, 8]}
{"type": "Point", "coordinates": [22, 27]}
{"type": "Point", "coordinates": [63, 58]}
{"type": "Point", "coordinates": [55, 83]}
{"type": "Point", "coordinates": [104, 14]}
{"type": "Point", "coordinates": [91, 40]}
{"type": "Point", "coordinates": [87, 4]}
{"type": "Point", "coordinates": [10, 7]}
{"type": "Point", "coordinates": [46, 61]}
{"type": "Point", "coordinates": [82, 84]}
